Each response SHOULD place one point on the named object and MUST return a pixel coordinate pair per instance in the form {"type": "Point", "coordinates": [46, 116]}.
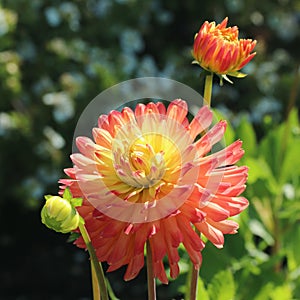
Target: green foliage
{"type": "Point", "coordinates": [274, 216]}
{"type": "Point", "coordinates": [222, 286]}
{"type": "Point", "coordinates": [202, 293]}
{"type": "Point", "coordinates": [245, 130]}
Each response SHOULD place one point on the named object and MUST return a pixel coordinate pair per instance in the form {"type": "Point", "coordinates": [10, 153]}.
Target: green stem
{"type": "Point", "coordinates": [94, 260]}
{"type": "Point", "coordinates": [150, 274]}
{"type": "Point", "coordinates": [208, 89]}
{"type": "Point", "coordinates": [194, 283]}
{"type": "Point", "coordinates": [95, 285]}
{"type": "Point", "coordinates": [194, 274]}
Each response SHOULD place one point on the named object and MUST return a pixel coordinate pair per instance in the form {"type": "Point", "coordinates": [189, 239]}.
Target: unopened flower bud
{"type": "Point", "coordinates": [59, 214]}
{"type": "Point", "coordinates": [218, 49]}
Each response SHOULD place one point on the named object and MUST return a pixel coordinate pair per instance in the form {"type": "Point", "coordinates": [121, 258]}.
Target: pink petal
{"type": "Point", "coordinates": [213, 136]}
{"type": "Point", "coordinates": [213, 234]}
{"type": "Point", "coordinates": [200, 122]}
{"type": "Point", "coordinates": [226, 226]}
{"type": "Point", "coordinates": [134, 267]}
{"type": "Point", "coordinates": [177, 110]}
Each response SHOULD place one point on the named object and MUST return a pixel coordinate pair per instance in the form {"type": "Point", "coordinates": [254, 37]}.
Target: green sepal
{"type": "Point", "coordinates": [76, 202]}
{"type": "Point", "coordinates": [233, 74]}
{"type": "Point", "coordinates": [225, 78]}
{"type": "Point", "coordinates": [73, 237]}
{"type": "Point", "coordinates": [237, 74]}
{"type": "Point", "coordinates": [67, 194]}
{"type": "Point", "coordinates": [47, 197]}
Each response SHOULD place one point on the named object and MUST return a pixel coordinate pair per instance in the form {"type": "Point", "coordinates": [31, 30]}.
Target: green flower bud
{"type": "Point", "coordinates": [59, 214]}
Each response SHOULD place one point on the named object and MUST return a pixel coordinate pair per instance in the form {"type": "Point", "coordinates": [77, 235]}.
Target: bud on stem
{"type": "Point", "coordinates": [59, 214]}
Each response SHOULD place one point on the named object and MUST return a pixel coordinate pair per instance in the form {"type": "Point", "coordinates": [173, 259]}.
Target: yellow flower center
{"type": "Point", "coordinates": [146, 160]}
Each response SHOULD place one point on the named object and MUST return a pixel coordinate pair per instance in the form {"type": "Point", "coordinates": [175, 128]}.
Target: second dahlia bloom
{"type": "Point", "coordinates": [218, 49]}
{"type": "Point", "coordinates": [147, 176]}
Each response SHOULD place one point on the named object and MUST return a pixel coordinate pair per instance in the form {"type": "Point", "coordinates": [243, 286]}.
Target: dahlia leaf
{"type": "Point", "coordinates": [282, 292]}
{"type": "Point", "coordinates": [259, 170]}
{"type": "Point", "coordinates": [292, 250]}
{"type": "Point", "coordinates": [264, 292]}
{"type": "Point", "coordinates": [270, 291]}
{"type": "Point", "coordinates": [291, 163]}
{"type": "Point", "coordinates": [229, 136]}
{"type": "Point", "coordinates": [277, 143]}
{"type": "Point", "coordinates": [258, 229]}
{"type": "Point", "coordinates": [202, 293]}
{"type": "Point", "coordinates": [222, 286]}
{"type": "Point", "coordinates": [246, 133]}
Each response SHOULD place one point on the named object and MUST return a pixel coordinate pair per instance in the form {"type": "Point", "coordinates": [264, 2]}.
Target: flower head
{"type": "Point", "coordinates": [218, 49]}
{"type": "Point", "coordinates": [59, 214]}
{"type": "Point", "coordinates": [146, 175]}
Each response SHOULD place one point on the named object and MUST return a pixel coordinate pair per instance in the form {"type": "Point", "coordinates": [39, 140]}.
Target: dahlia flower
{"type": "Point", "coordinates": [150, 174]}
{"type": "Point", "coordinates": [218, 49]}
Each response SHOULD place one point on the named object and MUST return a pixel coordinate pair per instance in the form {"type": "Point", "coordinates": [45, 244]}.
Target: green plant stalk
{"type": "Point", "coordinates": [193, 277]}
{"type": "Point", "coordinates": [97, 266]}
{"type": "Point", "coordinates": [150, 275]}
{"type": "Point", "coordinates": [194, 273]}
{"type": "Point", "coordinates": [95, 285]}
{"type": "Point", "coordinates": [208, 89]}
{"type": "Point", "coordinates": [194, 283]}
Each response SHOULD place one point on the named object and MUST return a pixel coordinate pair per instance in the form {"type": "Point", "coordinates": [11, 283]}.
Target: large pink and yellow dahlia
{"type": "Point", "coordinates": [147, 176]}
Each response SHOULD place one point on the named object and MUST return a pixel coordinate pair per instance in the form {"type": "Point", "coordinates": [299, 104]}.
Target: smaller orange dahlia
{"type": "Point", "coordinates": [150, 174]}
{"type": "Point", "coordinates": [219, 50]}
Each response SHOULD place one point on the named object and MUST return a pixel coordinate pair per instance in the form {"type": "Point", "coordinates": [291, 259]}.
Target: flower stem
{"type": "Point", "coordinates": [194, 274]}
{"type": "Point", "coordinates": [208, 89]}
{"type": "Point", "coordinates": [150, 274]}
{"type": "Point", "coordinates": [194, 283]}
{"type": "Point", "coordinates": [95, 285]}
{"type": "Point", "coordinates": [97, 266]}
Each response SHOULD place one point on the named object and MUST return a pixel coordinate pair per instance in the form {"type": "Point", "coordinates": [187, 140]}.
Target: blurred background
{"type": "Point", "coordinates": [56, 56]}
